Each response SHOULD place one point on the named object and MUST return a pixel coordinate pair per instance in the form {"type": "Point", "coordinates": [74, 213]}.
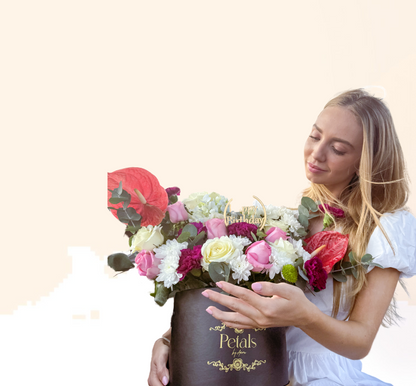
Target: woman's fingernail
{"type": "Point", "coordinates": [219, 285]}
{"type": "Point", "coordinates": [209, 311]}
{"type": "Point", "coordinates": [256, 286]}
{"type": "Point", "coordinates": [205, 293]}
{"type": "Point", "coordinates": [165, 380]}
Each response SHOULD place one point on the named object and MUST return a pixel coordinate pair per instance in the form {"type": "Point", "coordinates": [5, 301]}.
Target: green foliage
{"type": "Point", "coordinates": [120, 262]}
{"type": "Point", "coordinates": [219, 271]}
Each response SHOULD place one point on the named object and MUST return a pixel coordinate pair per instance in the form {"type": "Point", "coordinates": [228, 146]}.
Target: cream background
{"type": "Point", "coordinates": [215, 95]}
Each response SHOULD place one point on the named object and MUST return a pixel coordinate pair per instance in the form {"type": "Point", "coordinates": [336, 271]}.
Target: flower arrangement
{"type": "Point", "coordinates": [186, 244]}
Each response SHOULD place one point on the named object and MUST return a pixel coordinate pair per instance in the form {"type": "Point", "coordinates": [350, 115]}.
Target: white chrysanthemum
{"type": "Point", "coordinates": [299, 249]}
{"type": "Point", "coordinates": [280, 216]}
{"type": "Point", "coordinates": [241, 268]}
{"type": "Point", "coordinates": [205, 207]}
{"type": "Point", "coordinates": [283, 252]}
{"type": "Point", "coordinates": [169, 254]}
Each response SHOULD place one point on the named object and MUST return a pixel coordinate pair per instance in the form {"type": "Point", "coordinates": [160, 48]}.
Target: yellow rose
{"type": "Point", "coordinates": [275, 223]}
{"type": "Point", "coordinates": [147, 238]}
{"type": "Point", "coordinates": [218, 250]}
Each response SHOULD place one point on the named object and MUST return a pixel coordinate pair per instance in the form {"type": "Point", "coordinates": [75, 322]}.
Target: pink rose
{"type": "Point", "coordinates": [216, 228]}
{"type": "Point", "coordinates": [147, 264]}
{"type": "Point", "coordinates": [177, 212]}
{"type": "Point", "coordinates": [258, 255]}
{"type": "Point", "coordinates": [275, 233]}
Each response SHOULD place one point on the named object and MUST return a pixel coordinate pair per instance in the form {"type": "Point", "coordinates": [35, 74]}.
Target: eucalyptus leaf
{"type": "Point", "coordinates": [111, 208]}
{"type": "Point", "coordinates": [377, 265]}
{"type": "Point", "coordinates": [338, 276]}
{"type": "Point", "coordinates": [303, 210]}
{"type": "Point", "coordinates": [219, 272]}
{"type": "Point", "coordinates": [120, 188]}
{"type": "Point", "coordinates": [354, 272]}
{"type": "Point", "coordinates": [162, 294]}
{"type": "Point", "coordinates": [191, 228]}
{"type": "Point", "coordinates": [302, 274]}
{"type": "Point", "coordinates": [313, 216]}
{"type": "Point", "coordinates": [308, 203]}
{"type": "Point", "coordinates": [366, 258]}
{"type": "Point", "coordinates": [303, 221]}
{"type": "Point", "coordinates": [184, 236]}
{"type": "Point", "coordinates": [254, 236]}
{"type": "Point", "coordinates": [129, 216]}
{"type": "Point", "coordinates": [198, 238]}
{"type": "Point", "coordinates": [352, 259]}
{"type": "Point", "coordinates": [302, 232]}
{"type": "Point", "coordinates": [120, 262]}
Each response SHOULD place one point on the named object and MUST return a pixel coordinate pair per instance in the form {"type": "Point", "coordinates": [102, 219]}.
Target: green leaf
{"type": "Point", "coordinates": [302, 274]}
{"type": "Point", "coordinates": [354, 272]}
{"type": "Point", "coordinates": [366, 258]}
{"type": "Point", "coordinates": [302, 232]}
{"type": "Point", "coordinates": [303, 210]}
{"type": "Point", "coordinates": [197, 239]}
{"type": "Point", "coordinates": [261, 234]}
{"type": "Point", "coordinates": [352, 259]}
{"type": "Point", "coordinates": [309, 204]}
{"type": "Point", "coordinates": [196, 272]}
{"type": "Point", "coordinates": [129, 216]}
{"type": "Point", "coordinates": [303, 221]}
{"type": "Point", "coordinates": [119, 262]}
{"type": "Point", "coordinates": [162, 294]}
{"type": "Point", "coordinates": [313, 216]}
{"type": "Point", "coordinates": [191, 229]}
{"type": "Point", "coordinates": [132, 229]}
{"type": "Point", "coordinates": [120, 188]}
{"type": "Point", "coordinates": [338, 276]}
{"type": "Point", "coordinates": [219, 272]}
{"type": "Point", "coordinates": [254, 236]}
{"type": "Point", "coordinates": [377, 265]}
{"type": "Point", "coordinates": [110, 207]}
{"type": "Point", "coordinates": [184, 236]}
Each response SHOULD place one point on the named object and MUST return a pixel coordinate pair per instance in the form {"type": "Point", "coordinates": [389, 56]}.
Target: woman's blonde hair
{"type": "Point", "coordinates": [380, 186]}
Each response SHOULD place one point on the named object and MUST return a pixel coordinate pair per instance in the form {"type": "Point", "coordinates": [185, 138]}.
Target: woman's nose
{"type": "Point", "coordinates": [318, 152]}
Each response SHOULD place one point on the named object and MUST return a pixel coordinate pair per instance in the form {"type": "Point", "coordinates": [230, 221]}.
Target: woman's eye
{"type": "Point", "coordinates": [337, 151]}
{"type": "Point", "coordinates": [314, 138]}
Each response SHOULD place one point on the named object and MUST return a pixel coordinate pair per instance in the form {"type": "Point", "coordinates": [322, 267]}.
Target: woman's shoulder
{"type": "Point", "coordinates": [400, 227]}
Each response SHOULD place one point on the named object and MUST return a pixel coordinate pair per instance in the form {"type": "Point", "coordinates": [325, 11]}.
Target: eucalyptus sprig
{"type": "Point", "coordinates": [350, 267]}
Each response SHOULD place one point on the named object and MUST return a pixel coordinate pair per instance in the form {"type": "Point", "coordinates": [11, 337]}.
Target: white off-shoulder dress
{"type": "Point", "coordinates": [310, 363]}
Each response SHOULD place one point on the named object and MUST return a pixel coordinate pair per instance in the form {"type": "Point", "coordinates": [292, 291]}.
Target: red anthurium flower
{"type": "Point", "coordinates": [148, 197]}
{"type": "Point", "coordinates": [336, 246]}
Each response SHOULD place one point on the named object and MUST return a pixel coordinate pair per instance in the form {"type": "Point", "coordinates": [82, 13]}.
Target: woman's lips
{"type": "Point", "coordinates": [314, 169]}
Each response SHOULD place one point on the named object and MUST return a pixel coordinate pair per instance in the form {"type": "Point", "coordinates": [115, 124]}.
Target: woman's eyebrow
{"type": "Point", "coordinates": [334, 139]}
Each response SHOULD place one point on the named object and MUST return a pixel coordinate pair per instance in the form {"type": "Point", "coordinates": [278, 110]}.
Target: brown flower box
{"type": "Point", "coordinates": [206, 352]}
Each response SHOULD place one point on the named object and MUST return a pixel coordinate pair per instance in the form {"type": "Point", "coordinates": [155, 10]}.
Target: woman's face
{"type": "Point", "coordinates": [333, 149]}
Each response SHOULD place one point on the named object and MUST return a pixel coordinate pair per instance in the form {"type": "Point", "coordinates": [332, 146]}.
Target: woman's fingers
{"type": "Point", "coordinates": [234, 303]}
{"type": "Point", "coordinates": [159, 374]}
{"type": "Point", "coordinates": [232, 318]}
{"type": "Point", "coordinates": [283, 290]}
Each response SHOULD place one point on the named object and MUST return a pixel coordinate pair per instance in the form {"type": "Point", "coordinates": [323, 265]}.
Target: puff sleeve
{"type": "Point", "coordinates": [400, 226]}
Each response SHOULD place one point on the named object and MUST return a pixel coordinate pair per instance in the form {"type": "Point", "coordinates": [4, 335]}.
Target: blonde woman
{"type": "Point", "coordinates": [354, 161]}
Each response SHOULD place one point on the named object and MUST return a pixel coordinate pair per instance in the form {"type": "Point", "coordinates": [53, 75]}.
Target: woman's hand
{"type": "Point", "coordinates": [159, 374]}
{"type": "Point", "coordinates": [281, 305]}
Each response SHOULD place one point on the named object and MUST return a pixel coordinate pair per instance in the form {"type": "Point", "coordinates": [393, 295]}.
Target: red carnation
{"type": "Point", "coordinates": [190, 259]}
{"type": "Point", "coordinates": [316, 273]}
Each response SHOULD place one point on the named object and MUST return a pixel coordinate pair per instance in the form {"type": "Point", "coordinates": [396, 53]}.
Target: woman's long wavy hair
{"type": "Point", "coordinates": [380, 186]}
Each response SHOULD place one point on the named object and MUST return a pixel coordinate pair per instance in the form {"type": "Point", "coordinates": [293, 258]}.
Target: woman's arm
{"type": "Point", "coordinates": [288, 306]}
{"type": "Point", "coordinates": [353, 338]}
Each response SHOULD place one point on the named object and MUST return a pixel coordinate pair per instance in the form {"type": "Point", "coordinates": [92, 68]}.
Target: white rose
{"type": "Point", "coordinates": [147, 238]}
{"type": "Point", "coordinates": [218, 250]}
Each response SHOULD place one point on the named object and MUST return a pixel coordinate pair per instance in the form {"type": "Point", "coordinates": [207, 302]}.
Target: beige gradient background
{"type": "Point", "coordinates": [216, 96]}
